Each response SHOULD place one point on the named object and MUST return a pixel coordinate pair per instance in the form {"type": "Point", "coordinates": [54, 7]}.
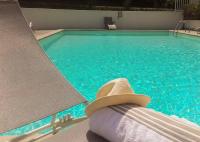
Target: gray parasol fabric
{"type": "Point", "coordinates": [31, 88]}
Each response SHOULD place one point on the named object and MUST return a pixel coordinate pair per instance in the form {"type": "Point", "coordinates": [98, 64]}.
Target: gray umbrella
{"type": "Point", "coordinates": [31, 88]}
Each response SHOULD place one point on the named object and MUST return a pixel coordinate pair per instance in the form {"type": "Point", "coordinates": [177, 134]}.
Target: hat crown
{"type": "Point", "coordinates": [116, 92]}
{"type": "Point", "coordinates": [118, 86]}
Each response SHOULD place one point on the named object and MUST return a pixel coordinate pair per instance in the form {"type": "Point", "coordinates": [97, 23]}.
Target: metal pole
{"type": "Point", "coordinates": [175, 5]}
{"type": "Point", "coordinates": [53, 123]}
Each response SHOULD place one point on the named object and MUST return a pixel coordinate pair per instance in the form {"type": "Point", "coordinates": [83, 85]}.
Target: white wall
{"type": "Point", "coordinates": [93, 19]}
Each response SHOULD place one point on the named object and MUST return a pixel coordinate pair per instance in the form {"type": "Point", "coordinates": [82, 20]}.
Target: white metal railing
{"type": "Point", "coordinates": [180, 4]}
{"type": "Point", "coordinates": [176, 28]}
{"type": "Point", "coordinates": [182, 25]}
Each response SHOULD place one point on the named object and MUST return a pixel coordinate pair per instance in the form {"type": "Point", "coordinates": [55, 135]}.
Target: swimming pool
{"type": "Point", "coordinates": [158, 64]}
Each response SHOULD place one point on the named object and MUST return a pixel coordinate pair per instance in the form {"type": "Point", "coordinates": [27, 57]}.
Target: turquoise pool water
{"type": "Point", "coordinates": [158, 64]}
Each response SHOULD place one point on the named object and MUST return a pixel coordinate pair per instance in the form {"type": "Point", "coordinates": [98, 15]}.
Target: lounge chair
{"type": "Point", "coordinates": [109, 24]}
{"type": "Point", "coordinates": [166, 127]}
{"type": "Point", "coordinates": [78, 133]}
{"type": "Point", "coordinates": [116, 120]}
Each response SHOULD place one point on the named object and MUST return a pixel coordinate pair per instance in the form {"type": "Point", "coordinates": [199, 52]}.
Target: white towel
{"type": "Point", "coordinates": [116, 127]}
{"type": "Point", "coordinates": [112, 27]}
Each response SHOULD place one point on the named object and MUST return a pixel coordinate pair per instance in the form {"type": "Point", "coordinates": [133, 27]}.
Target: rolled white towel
{"type": "Point", "coordinates": [119, 127]}
{"type": "Point", "coordinates": [116, 128]}
{"type": "Point", "coordinates": [112, 27]}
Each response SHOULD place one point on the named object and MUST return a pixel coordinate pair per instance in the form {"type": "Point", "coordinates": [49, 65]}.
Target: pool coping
{"type": "Point", "coordinates": [41, 34]}
{"type": "Point", "coordinates": [186, 32]}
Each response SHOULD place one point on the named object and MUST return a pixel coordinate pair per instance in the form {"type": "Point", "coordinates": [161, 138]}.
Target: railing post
{"type": "Point", "coordinates": [179, 4]}
{"type": "Point", "coordinates": [175, 5]}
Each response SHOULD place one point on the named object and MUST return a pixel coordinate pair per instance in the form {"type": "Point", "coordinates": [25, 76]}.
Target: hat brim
{"type": "Point", "coordinates": [140, 100]}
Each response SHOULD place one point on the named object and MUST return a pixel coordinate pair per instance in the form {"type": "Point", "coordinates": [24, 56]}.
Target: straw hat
{"type": "Point", "coordinates": [116, 92]}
